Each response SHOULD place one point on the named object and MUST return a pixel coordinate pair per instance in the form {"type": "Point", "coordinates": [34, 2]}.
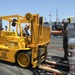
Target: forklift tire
{"type": "Point", "coordinates": [23, 59]}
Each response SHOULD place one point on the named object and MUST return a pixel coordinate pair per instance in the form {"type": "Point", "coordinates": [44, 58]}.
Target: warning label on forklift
{"type": "Point", "coordinates": [3, 53]}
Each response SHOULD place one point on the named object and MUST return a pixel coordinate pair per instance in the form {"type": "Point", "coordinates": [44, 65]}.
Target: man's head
{"type": "Point", "coordinates": [65, 21]}
{"type": "Point", "coordinates": [26, 27]}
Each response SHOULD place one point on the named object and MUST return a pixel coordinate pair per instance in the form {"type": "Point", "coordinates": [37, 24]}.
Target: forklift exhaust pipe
{"type": "Point", "coordinates": [55, 63]}
{"type": "Point", "coordinates": [52, 70]}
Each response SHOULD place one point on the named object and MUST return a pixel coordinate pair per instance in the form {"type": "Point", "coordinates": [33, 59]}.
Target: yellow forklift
{"type": "Point", "coordinates": [28, 50]}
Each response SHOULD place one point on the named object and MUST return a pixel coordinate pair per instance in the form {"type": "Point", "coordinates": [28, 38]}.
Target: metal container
{"type": "Point", "coordinates": [71, 45]}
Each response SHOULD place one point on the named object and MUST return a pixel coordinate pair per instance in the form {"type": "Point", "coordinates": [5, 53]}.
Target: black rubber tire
{"type": "Point", "coordinates": [21, 56]}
